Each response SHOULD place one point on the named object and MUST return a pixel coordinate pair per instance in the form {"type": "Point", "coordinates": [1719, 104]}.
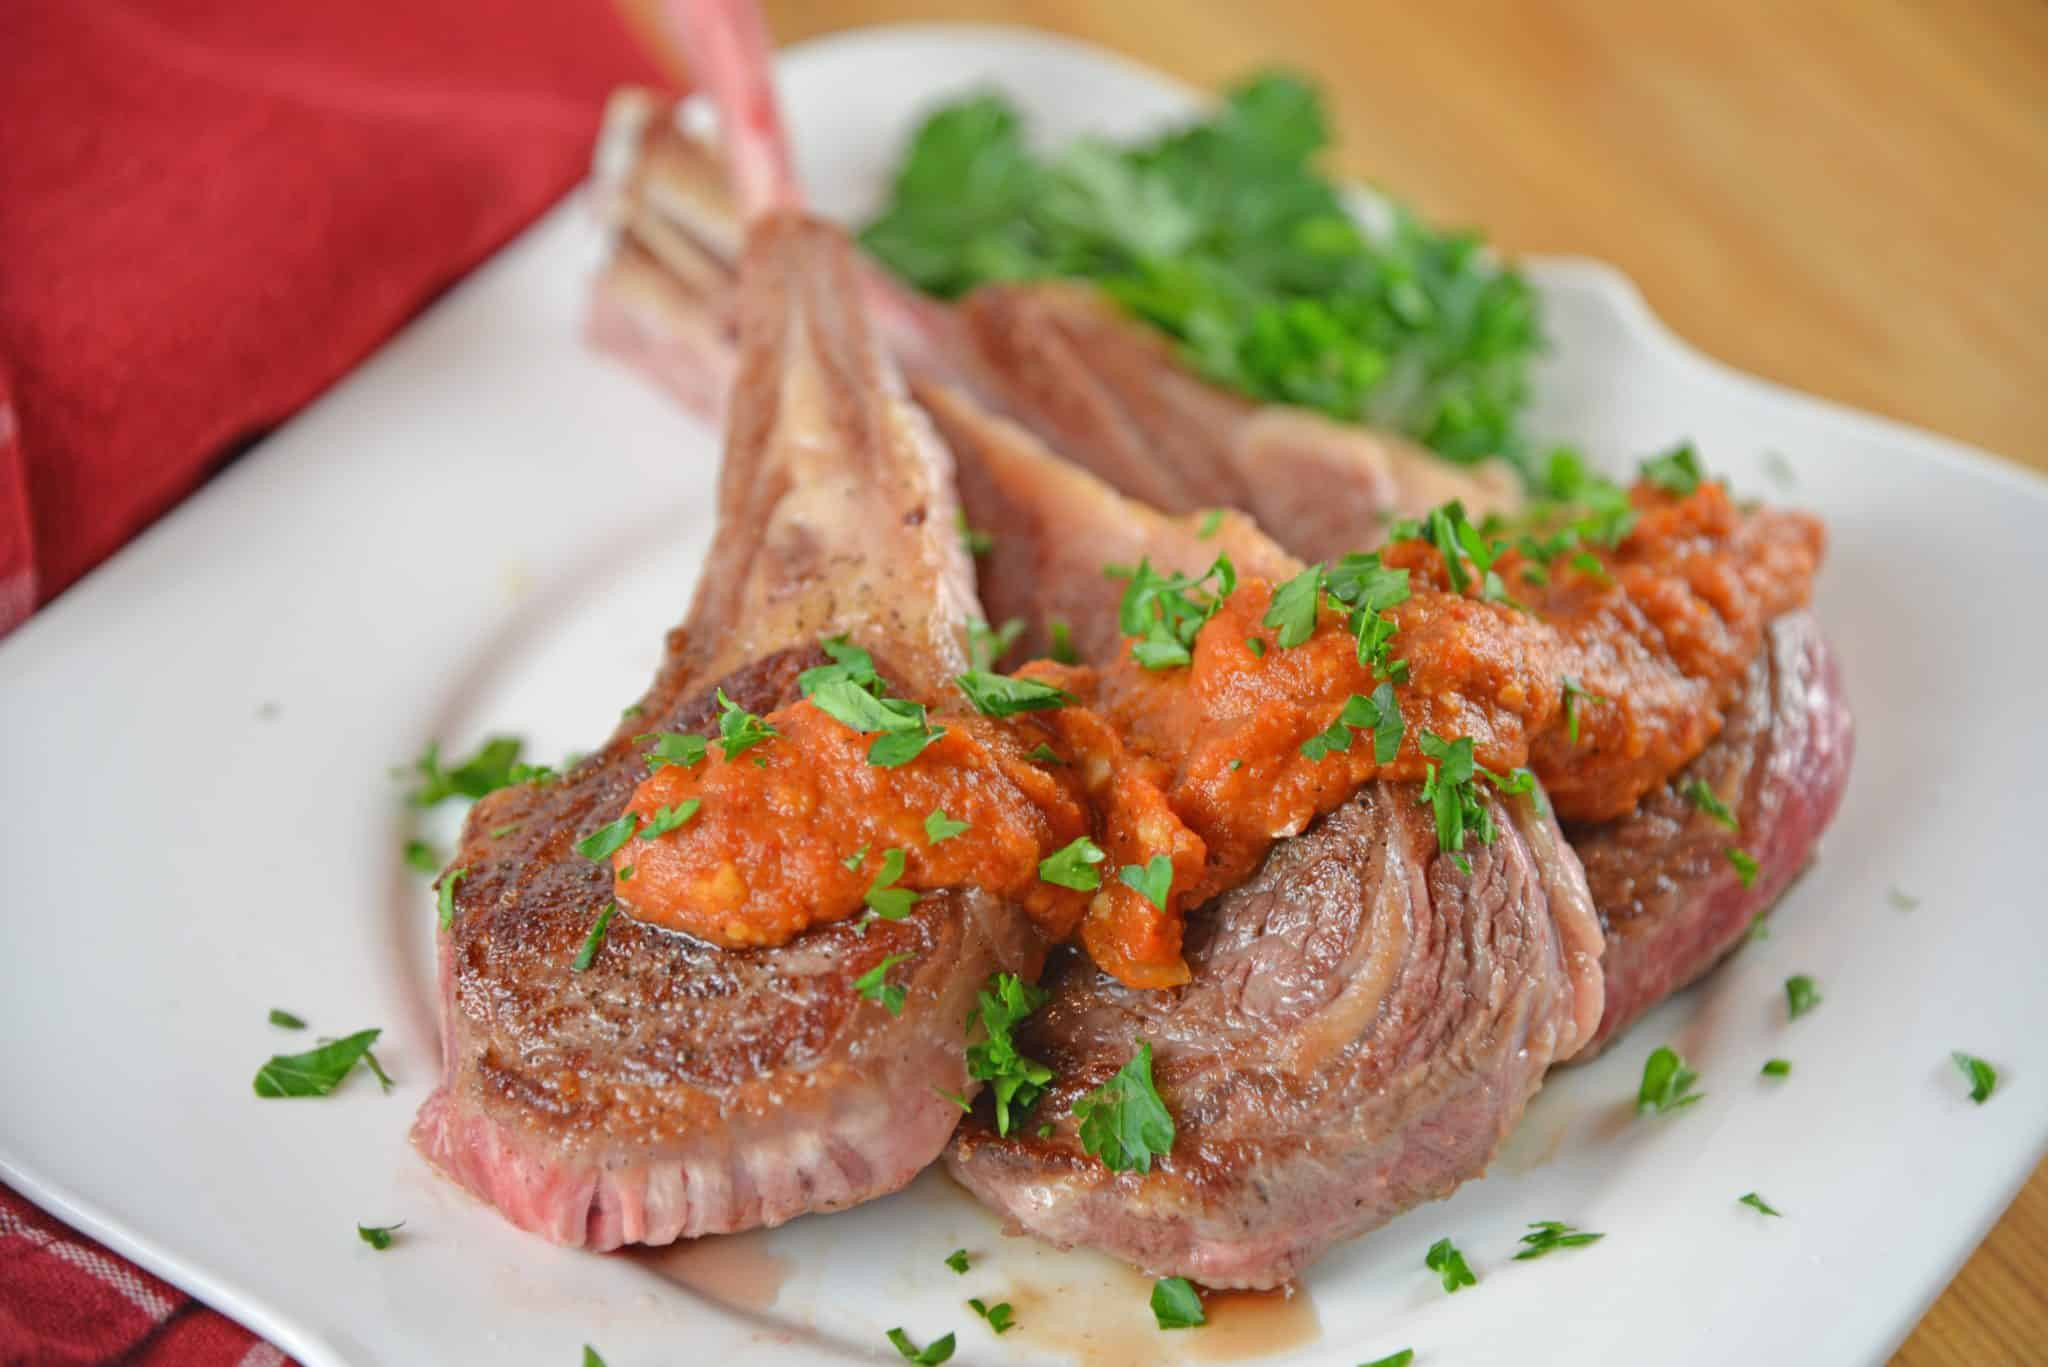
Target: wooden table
{"type": "Point", "coordinates": [1848, 196]}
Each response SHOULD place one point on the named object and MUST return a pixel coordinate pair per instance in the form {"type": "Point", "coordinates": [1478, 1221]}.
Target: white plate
{"type": "Point", "coordinates": [488, 528]}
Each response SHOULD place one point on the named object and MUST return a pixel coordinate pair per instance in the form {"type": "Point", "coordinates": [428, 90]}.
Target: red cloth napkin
{"type": "Point", "coordinates": [209, 211]}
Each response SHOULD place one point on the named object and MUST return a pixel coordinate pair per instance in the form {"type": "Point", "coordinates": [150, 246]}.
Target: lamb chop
{"type": "Point", "coordinates": [1365, 1021]}
{"type": "Point", "coordinates": [1100, 388]}
{"type": "Point", "coordinates": [656, 1087]}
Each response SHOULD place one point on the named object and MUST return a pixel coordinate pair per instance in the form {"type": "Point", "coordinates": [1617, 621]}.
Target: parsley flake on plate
{"type": "Point", "coordinates": [285, 1019]}
{"type": "Point", "coordinates": [1801, 996]}
{"type": "Point", "coordinates": [1448, 1263]}
{"type": "Point", "coordinates": [957, 1260]}
{"type": "Point", "coordinates": [1547, 1236]}
{"type": "Point", "coordinates": [1777, 1067]}
{"type": "Point", "coordinates": [1176, 1304]}
{"type": "Point", "coordinates": [590, 1357]}
{"type": "Point", "coordinates": [1982, 1077]}
{"type": "Point", "coordinates": [1396, 1359]}
{"type": "Point", "coordinates": [1757, 1203]}
{"type": "Point", "coordinates": [1667, 1083]}
{"type": "Point", "coordinates": [316, 1072]}
{"type": "Point", "coordinates": [1124, 1122]}
{"type": "Point", "coordinates": [937, 1351]}
{"type": "Point", "coordinates": [1001, 1317]}
{"type": "Point", "coordinates": [378, 1237]}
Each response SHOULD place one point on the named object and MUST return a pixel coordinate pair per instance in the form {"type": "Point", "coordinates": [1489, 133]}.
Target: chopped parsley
{"type": "Point", "coordinates": [444, 896]}
{"type": "Point", "coordinates": [1677, 471]}
{"type": "Point", "coordinates": [500, 832]}
{"type": "Point", "coordinates": [1757, 1203]}
{"type": "Point", "coordinates": [1759, 926]}
{"type": "Point", "coordinates": [1016, 1082]}
{"type": "Point", "coordinates": [1378, 714]}
{"type": "Point", "coordinates": [937, 1351]}
{"type": "Point", "coordinates": [874, 986]}
{"type": "Point", "coordinates": [851, 693]}
{"type": "Point", "coordinates": [1166, 611]}
{"type": "Point", "coordinates": [1045, 754]}
{"type": "Point", "coordinates": [1449, 787]}
{"type": "Point", "coordinates": [590, 1357]}
{"type": "Point", "coordinates": [1982, 1077]}
{"type": "Point", "coordinates": [1002, 695]}
{"type": "Point", "coordinates": [671, 747]}
{"type": "Point", "coordinates": [1293, 609]}
{"type": "Point", "coordinates": [1256, 645]}
{"type": "Point", "coordinates": [1449, 530]}
{"type": "Point", "coordinates": [1212, 518]}
{"type": "Point", "coordinates": [1369, 589]}
{"type": "Point", "coordinates": [667, 819]}
{"type": "Point", "coordinates": [1573, 692]}
{"type": "Point", "coordinates": [883, 897]}
{"type": "Point", "coordinates": [957, 1260]}
{"type": "Point", "coordinates": [1588, 564]}
{"type": "Point", "coordinates": [940, 827]}
{"type": "Point", "coordinates": [495, 765]}
{"type": "Point", "coordinates": [608, 839]}
{"type": "Point", "coordinates": [594, 940]}
{"type": "Point", "coordinates": [986, 645]}
{"type": "Point", "coordinates": [1176, 1304]}
{"type": "Point", "coordinates": [1001, 1316]}
{"type": "Point", "coordinates": [1901, 901]}
{"type": "Point", "coordinates": [1152, 880]}
{"type": "Point", "coordinates": [1061, 637]}
{"type": "Point", "coordinates": [853, 861]}
{"type": "Point", "coordinates": [285, 1019]}
{"type": "Point", "coordinates": [1667, 1083]}
{"type": "Point", "coordinates": [1547, 1236]}
{"type": "Point", "coordinates": [1398, 1359]}
{"type": "Point", "coordinates": [378, 1236]}
{"type": "Point", "coordinates": [423, 857]}
{"type": "Point", "coordinates": [1777, 1067]}
{"type": "Point", "coordinates": [315, 1072]}
{"type": "Point", "coordinates": [976, 542]}
{"type": "Point", "coordinates": [1801, 996]}
{"type": "Point", "coordinates": [1704, 798]}
{"type": "Point", "coordinates": [738, 729]}
{"type": "Point", "coordinates": [1123, 1122]}
{"type": "Point", "coordinates": [1448, 1263]}
{"type": "Point", "coordinates": [1745, 865]}
{"type": "Point", "coordinates": [1073, 865]}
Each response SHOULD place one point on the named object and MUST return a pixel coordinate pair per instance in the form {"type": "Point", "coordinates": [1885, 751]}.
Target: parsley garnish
{"type": "Point", "coordinates": [1588, 564]}
{"type": "Point", "coordinates": [594, 940]}
{"type": "Point", "coordinates": [850, 692]}
{"type": "Point", "coordinates": [1756, 1202]}
{"type": "Point", "coordinates": [873, 985]}
{"type": "Point", "coordinates": [957, 1260]}
{"type": "Point", "coordinates": [883, 897]}
{"type": "Point", "coordinates": [939, 827]}
{"type": "Point", "coordinates": [1152, 880]}
{"type": "Point", "coordinates": [1045, 754]}
{"type": "Point", "coordinates": [671, 747]}
{"type": "Point", "coordinates": [1014, 1080]}
{"type": "Point", "coordinates": [1901, 901]}
{"type": "Point", "coordinates": [1123, 1122]}
{"type": "Point", "coordinates": [1982, 1076]}
{"type": "Point", "coordinates": [315, 1072]}
{"type": "Point", "coordinates": [1667, 1083]}
{"type": "Point", "coordinates": [1378, 714]}
{"type": "Point", "coordinates": [853, 861]}
{"type": "Point", "coordinates": [738, 729]}
{"type": "Point", "coordinates": [1573, 691]}
{"type": "Point", "coordinates": [1546, 1236]}
{"type": "Point", "coordinates": [590, 1357]}
{"type": "Point", "coordinates": [1293, 609]}
{"type": "Point", "coordinates": [1002, 695]}
{"type": "Point", "coordinates": [1448, 1263]}
{"type": "Point", "coordinates": [1400, 1359]}
{"type": "Point", "coordinates": [937, 1351]}
{"type": "Point", "coordinates": [608, 839]}
{"type": "Point", "coordinates": [500, 832]}
{"type": "Point", "coordinates": [1800, 995]}
{"type": "Point", "coordinates": [1073, 865]}
{"type": "Point", "coordinates": [1257, 646]}
{"type": "Point", "coordinates": [985, 645]}
{"type": "Point", "coordinates": [1759, 926]}
{"type": "Point", "coordinates": [1778, 1067]}
{"type": "Point", "coordinates": [1176, 1304]}
{"type": "Point", "coordinates": [378, 1236]}
{"type": "Point", "coordinates": [1368, 588]}
{"type": "Point", "coordinates": [1212, 518]}
{"type": "Point", "coordinates": [423, 857]}
{"type": "Point", "coordinates": [1061, 637]}
{"type": "Point", "coordinates": [1677, 471]}
{"type": "Point", "coordinates": [495, 765]}
{"type": "Point", "coordinates": [1166, 611]}
{"type": "Point", "coordinates": [285, 1019]}
{"type": "Point", "coordinates": [1001, 1316]}
{"type": "Point", "coordinates": [1448, 787]}
{"type": "Point", "coordinates": [1745, 866]}
{"type": "Point", "coordinates": [667, 819]}
{"type": "Point", "coordinates": [1705, 799]}
{"type": "Point", "coordinates": [976, 542]}
{"type": "Point", "coordinates": [444, 896]}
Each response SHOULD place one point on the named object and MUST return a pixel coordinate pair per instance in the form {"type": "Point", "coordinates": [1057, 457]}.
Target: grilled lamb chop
{"type": "Point", "coordinates": [1365, 1021]}
{"type": "Point", "coordinates": [675, 1089]}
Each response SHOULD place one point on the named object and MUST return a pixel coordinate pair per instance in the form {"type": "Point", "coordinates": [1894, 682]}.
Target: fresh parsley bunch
{"type": "Point", "coordinates": [1224, 235]}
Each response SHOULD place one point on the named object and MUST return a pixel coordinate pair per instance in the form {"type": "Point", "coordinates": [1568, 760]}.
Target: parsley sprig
{"type": "Point", "coordinates": [1450, 788]}
{"type": "Point", "coordinates": [1016, 1082]}
{"type": "Point", "coordinates": [1444, 1259]}
{"type": "Point", "coordinates": [851, 693]}
{"type": "Point", "coordinates": [1124, 1122]}
{"type": "Point", "coordinates": [1166, 611]}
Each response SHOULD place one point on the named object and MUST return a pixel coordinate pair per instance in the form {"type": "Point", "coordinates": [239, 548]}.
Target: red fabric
{"type": "Point", "coordinates": [211, 210]}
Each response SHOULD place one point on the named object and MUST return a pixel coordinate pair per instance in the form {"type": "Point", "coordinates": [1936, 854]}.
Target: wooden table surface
{"type": "Point", "coordinates": [1848, 196]}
